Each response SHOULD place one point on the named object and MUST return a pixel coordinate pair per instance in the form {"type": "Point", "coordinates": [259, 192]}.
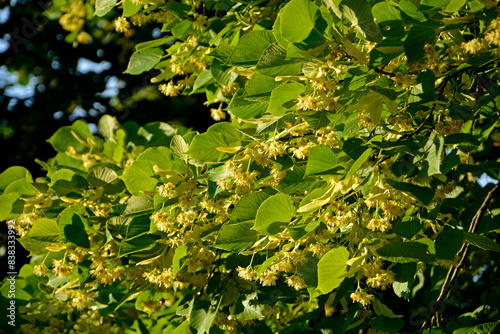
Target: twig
{"type": "Point", "coordinates": [454, 270]}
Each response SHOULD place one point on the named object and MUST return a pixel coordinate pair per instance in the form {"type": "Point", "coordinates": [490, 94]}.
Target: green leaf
{"type": "Point", "coordinates": [72, 228]}
{"type": "Point", "coordinates": [319, 119]}
{"type": "Point", "coordinates": [408, 227]}
{"type": "Point", "coordinates": [412, 251]}
{"type": "Point", "coordinates": [286, 92]}
{"type": "Point", "coordinates": [130, 8]}
{"type": "Point", "coordinates": [108, 125]}
{"type": "Point", "coordinates": [423, 194]}
{"type": "Point", "coordinates": [236, 237]}
{"type": "Point", "coordinates": [183, 328]}
{"type": "Point", "coordinates": [247, 108]}
{"type": "Point", "coordinates": [297, 20]}
{"type": "Point", "coordinates": [277, 33]}
{"type": "Point", "coordinates": [180, 253]}
{"type": "Point", "coordinates": [382, 309]}
{"type": "Point", "coordinates": [178, 9]}
{"type": "Point", "coordinates": [161, 156]}
{"type": "Point", "coordinates": [435, 153]}
{"type": "Point", "coordinates": [250, 48]}
{"type": "Point", "coordinates": [247, 307]}
{"type": "Point", "coordinates": [417, 37]}
{"type": "Point", "coordinates": [359, 13]}
{"type": "Point", "coordinates": [386, 324]}
{"type": "Point", "coordinates": [67, 136]}
{"type": "Point", "coordinates": [455, 5]}
{"type": "Point", "coordinates": [43, 233]}
{"type": "Point", "coordinates": [330, 269]}
{"type": "Point", "coordinates": [222, 74]}
{"type": "Point", "coordinates": [247, 206]}
{"type": "Point", "coordinates": [260, 86]}
{"type": "Point", "coordinates": [138, 244]}
{"type": "Point", "coordinates": [102, 7]}
{"type": "Point", "coordinates": [359, 162]}
{"type": "Point", "coordinates": [65, 181]}
{"type": "Point", "coordinates": [21, 187]}
{"type": "Point", "coordinates": [10, 206]}
{"type": "Point", "coordinates": [448, 242]}
{"type": "Point", "coordinates": [274, 211]}
{"type": "Point", "coordinates": [201, 81]}
{"type": "Point", "coordinates": [481, 242]}
{"type": "Point", "coordinates": [410, 12]}
{"type": "Point", "coordinates": [153, 43]}
{"type": "Point", "coordinates": [105, 177]}
{"type": "Point", "coordinates": [12, 174]}
{"type": "Point", "coordinates": [389, 19]}
{"type": "Point", "coordinates": [451, 160]}
{"type": "Point", "coordinates": [424, 91]}
{"type": "Point", "coordinates": [204, 147]}
{"type": "Point", "coordinates": [140, 177]}
{"type": "Point", "coordinates": [321, 159]}
{"type": "Point", "coordinates": [405, 276]}
{"type": "Point", "coordinates": [202, 316]}
{"type": "Point", "coordinates": [273, 62]}
{"type": "Point", "coordinates": [139, 206]}
{"type": "Point", "coordinates": [143, 60]}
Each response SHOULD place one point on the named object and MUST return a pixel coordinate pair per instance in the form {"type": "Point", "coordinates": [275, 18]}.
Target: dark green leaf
{"type": "Point", "coordinates": [412, 251]}
{"type": "Point", "coordinates": [423, 194]}
{"type": "Point", "coordinates": [72, 228]}
{"type": "Point", "coordinates": [481, 242]}
{"type": "Point", "coordinates": [408, 227]}
{"type": "Point", "coordinates": [448, 242]}
{"type": "Point", "coordinates": [359, 13]}
{"type": "Point", "coordinates": [386, 324]}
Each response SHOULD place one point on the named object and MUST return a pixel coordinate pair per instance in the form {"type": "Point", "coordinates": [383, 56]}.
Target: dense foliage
{"type": "Point", "coordinates": [339, 196]}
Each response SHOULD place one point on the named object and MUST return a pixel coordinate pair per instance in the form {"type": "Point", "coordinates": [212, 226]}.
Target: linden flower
{"type": "Point", "coordinates": [167, 190]}
{"type": "Point", "coordinates": [296, 282]}
{"type": "Point", "coordinates": [169, 89]}
{"type": "Point", "coordinates": [61, 268]}
{"type": "Point", "coordinates": [121, 24]}
{"type": "Point", "coordinates": [381, 280]}
{"type": "Point", "coordinates": [473, 46]}
{"type": "Point", "coordinates": [41, 270]}
{"type": "Point", "coordinates": [275, 149]}
{"type": "Point", "coordinates": [217, 114]}
{"type": "Point", "coordinates": [362, 297]}
{"type": "Point", "coordinates": [247, 273]}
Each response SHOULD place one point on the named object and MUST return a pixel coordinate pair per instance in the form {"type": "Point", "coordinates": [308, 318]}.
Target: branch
{"type": "Point", "coordinates": [454, 270]}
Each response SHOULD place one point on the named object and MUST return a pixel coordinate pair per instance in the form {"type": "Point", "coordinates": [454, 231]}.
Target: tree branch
{"type": "Point", "coordinates": [454, 270]}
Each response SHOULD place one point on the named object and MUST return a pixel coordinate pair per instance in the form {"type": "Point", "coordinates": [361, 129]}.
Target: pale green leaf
{"type": "Point", "coordinates": [330, 269]}
{"type": "Point", "coordinates": [102, 7]}
{"type": "Point", "coordinates": [321, 159]}
{"type": "Point", "coordinates": [297, 20]}
{"type": "Point", "coordinates": [143, 60]}
{"type": "Point", "coordinates": [274, 211]}
{"type": "Point", "coordinates": [43, 233]}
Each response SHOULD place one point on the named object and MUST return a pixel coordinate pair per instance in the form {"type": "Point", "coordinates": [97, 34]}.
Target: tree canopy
{"type": "Point", "coordinates": [349, 184]}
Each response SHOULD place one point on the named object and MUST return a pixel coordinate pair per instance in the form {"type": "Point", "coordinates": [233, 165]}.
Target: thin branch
{"type": "Point", "coordinates": [464, 251]}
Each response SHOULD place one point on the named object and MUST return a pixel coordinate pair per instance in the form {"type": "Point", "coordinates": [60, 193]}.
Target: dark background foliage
{"type": "Point", "coordinates": [48, 87]}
